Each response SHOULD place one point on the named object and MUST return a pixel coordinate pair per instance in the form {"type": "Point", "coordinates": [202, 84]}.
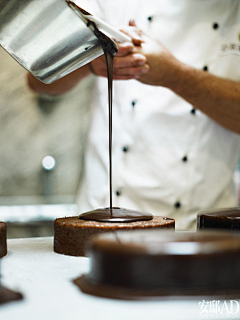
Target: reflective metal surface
{"type": "Point", "coordinates": [46, 37]}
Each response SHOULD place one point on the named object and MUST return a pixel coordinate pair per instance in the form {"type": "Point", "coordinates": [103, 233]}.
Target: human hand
{"type": "Point", "coordinates": [161, 63]}
{"type": "Point", "coordinates": [163, 66]}
{"type": "Point", "coordinates": [127, 64]}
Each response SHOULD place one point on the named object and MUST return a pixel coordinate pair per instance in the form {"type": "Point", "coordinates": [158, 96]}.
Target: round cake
{"type": "Point", "coordinates": [140, 265]}
{"type": "Point", "coordinates": [228, 219]}
{"type": "Point", "coordinates": [72, 234]}
{"type": "Point", "coordinates": [3, 239]}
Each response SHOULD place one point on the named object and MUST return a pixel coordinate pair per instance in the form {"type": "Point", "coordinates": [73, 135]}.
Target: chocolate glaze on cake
{"type": "Point", "coordinates": [71, 234]}
{"type": "Point", "coordinates": [116, 215]}
{"type": "Point", "coordinates": [3, 239]}
{"type": "Point", "coordinates": [228, 219]}
{"type": "Point", "coordinates": [137, 265]}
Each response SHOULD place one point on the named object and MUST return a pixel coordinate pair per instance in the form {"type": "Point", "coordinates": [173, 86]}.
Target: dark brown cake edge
{"type": "Point", "coordinates": [3, 239]}
{"type": "Point", "coordinates": [7, 295]}
{"type": "Point", "coordinates": [120, 293]}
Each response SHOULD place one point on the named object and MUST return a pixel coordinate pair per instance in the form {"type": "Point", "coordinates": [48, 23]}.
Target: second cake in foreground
{"type": "Point", "coordinates": [71, 234]}
{"type": "Point", "coordinates": [151, 264]}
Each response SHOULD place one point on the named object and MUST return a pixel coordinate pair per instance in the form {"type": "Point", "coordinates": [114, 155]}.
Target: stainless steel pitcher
{"type": "Point", "coordinates": [47, 37]}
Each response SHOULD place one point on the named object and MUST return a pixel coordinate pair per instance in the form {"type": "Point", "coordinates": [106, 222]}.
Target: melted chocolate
{"type": "Point", "coordinates": [7, 295]}
{"type": "Point", "coordinates": [108, 44]}
{"type": "Point", "coordinates": [228, 219]}
{"type": "Point", "coordinates": [71, 3]}
{"type": "Point", "coordinates": [115, 215]}
{"type": "Point", "coordinates": [110, 214]}
{"type": "Point", "coordinates": [109, 61]}
{"type": "Point", "coordinates": [110, 49]}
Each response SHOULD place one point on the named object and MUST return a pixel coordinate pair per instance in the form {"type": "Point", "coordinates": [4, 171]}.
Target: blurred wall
{"type": "Point", "coordinates": [32, 127]}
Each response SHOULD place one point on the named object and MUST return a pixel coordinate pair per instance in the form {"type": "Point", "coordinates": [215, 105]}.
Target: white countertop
{"type": "Point", "coordinates": [44, 277]}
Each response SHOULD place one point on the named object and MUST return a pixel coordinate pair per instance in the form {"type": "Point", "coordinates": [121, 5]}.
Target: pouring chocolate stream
{"type": "Point", "coordinates": [110, 49]}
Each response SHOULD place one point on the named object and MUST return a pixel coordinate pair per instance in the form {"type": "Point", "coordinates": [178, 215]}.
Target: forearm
{"type": "Point", "coordinates": [60, 86]}
{"type": "Point", "coordinates": [217, 98]}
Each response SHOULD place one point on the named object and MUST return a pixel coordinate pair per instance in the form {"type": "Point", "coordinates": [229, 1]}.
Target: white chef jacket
{"type": "Point", "coordinates": [169, 159]}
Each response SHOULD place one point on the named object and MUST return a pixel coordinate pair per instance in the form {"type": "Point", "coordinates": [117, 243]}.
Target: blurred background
{"type": "Point", "coordinates": [42, 141]}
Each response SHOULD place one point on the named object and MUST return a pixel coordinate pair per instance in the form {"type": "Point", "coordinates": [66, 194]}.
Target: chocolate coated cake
{"type": "Point", "coordinates": [3, 239]}
{"type": "Point", "coordinates": [140, 265]}
{"type": "Point", "coordinates": [7, 295]}
{"type": "Point", "coordinates": [228, 219]}
{"type": "Point", "coordinates": [71, 234]}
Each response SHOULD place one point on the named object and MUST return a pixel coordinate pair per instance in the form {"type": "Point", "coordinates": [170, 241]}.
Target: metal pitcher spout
{"type": "Point", "coordinates": [48, 38]}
